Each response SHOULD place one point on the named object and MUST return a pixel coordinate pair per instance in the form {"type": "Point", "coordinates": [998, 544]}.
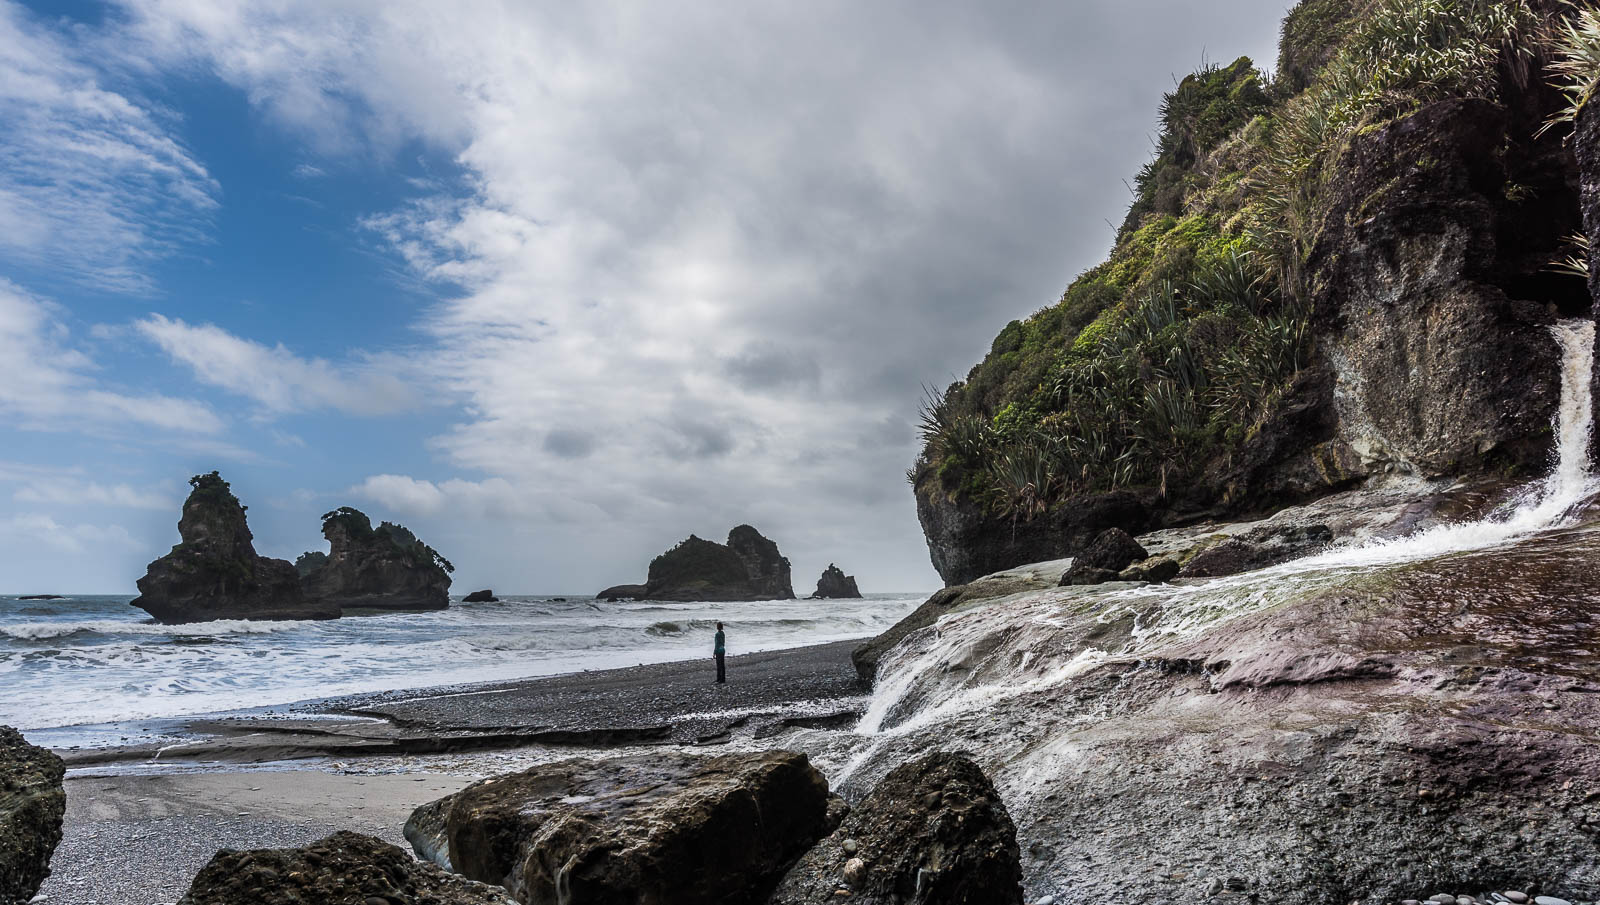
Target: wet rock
{"type": "Point", "coordinates": [1109, 553]}
{"type": "Point", "coordinates": [1156, 570]}
{"type": "Point", "coordinates": [664, 828]}
{"type": "Point", "coordinates": [343, 869]}
{"type": "Point", "coordinates": [1267, 546]}
{"type": "Point", "coordinates": [484, 596]}
{"type": "Point", "coordinates": [934, 831]}
{"type": "Point", "coordinates": [214, 571]}
{"type": "Point", "coordinates": [32, 803]}
{"type": "Point", "coordinates": [835, 584]}
{"type": "Point", "coordinates": [377, 568]}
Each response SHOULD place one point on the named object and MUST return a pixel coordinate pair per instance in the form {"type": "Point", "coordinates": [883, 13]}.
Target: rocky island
{"type": "Point", "coordinates": [214, 571]}
{"type": "Point", "coordinates": [834, 584]}
{"type": "Point", "coordinates": [747, 567]}
{"type": "Point", "coordinates": [385, 567]}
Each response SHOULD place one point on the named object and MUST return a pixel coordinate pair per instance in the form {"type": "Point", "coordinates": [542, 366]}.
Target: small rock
{"type": "Point", "coordinates": [1443, 898]}
{"type": "Point", "coordinates": [1046, 900]}
{"type": "Point", "coordinates": [850, 845]}
{"type": "Point", "coordinates": [855, 870]}
{"type": "Point", "coordinates": [1517, 897]}
{"type": "Point", "coordinates": [1549, 900]}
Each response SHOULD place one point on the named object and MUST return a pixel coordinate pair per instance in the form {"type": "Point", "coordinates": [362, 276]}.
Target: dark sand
{"type": "Point", "coordinates": [140, 825]}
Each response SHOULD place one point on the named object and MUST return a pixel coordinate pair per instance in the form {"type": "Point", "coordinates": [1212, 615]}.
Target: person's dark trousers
{"type": "Point", "coordinates": [722, 672]}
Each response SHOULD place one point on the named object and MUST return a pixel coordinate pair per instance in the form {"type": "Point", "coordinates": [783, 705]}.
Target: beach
{"type": "Point", "coordinates": [142, 818]}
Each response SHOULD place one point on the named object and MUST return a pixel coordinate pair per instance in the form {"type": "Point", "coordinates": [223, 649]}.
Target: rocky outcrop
{"type": "Point", "coordinates": [1107, 555]}
{"type": "Point", "coordinates": [622, 592]}
{"type": "Point", "coordinates": [484, 596]}
{"type": "Point", "coordinates": [933, 832]}
{"type": "Point", "coordinates": [966, 542]}
{"type": "Point", "coordinates": [214, 571]}
{"type": "Point", "coordinates": [376, 568]}
{"type": "Point", "coordinates": [32, 804]}
{"type": "Point", "coordinates": [947, 600]}
{"type": "Point", "coordinates": [1586, 147]}
{"type": "Point", "coordinates": [747, 567]}
{"type": "Point", "coordinates": [835, 584]}
{"type": "Point", "coordinates": [343, 869]}
{"type": "Point", "coordinates": [663, 828]}
{"type": "Point", "coordinates": [1263, 547]}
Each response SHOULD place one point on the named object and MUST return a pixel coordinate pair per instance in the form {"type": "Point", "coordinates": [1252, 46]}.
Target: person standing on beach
{"type": "Point", "coordinates": [720, 650]}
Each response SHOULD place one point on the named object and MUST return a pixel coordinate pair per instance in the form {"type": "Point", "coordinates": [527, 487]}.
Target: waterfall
{"type": "Point", "coordinates": [974, 659]}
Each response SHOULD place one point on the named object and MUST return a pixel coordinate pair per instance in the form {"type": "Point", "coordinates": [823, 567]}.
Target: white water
{"type": "Point", "coordinates": [975, 659]}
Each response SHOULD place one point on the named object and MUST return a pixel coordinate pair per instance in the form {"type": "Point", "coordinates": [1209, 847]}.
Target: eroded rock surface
{"type": "Point", "coordinates": [214, 571]}
{"type": "Point", "coordinates": [834, 584]}
{"type": "Point", "coordinates": [376, 568]}
{"type": "Point", "coordinates": [343, 869]}
{"type": "Point", "coordinates": [933, 832]}
{"type": "Point", "coordinates": [664, 828]}
{"type": "Point", "coordinates": [32, 803]}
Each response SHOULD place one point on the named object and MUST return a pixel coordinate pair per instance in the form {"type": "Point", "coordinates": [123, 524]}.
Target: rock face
{"type": "Point", "coordinates": [32, 803]}
{"type": "Point", "coordinates": [747, 567]}
{"type": "Point", "coordinates": [1257, 550]}
{"type": "Point", "coordinates": [1586, 146]}
{"type": "Point", "coordinates": [622, 592]}
{"type": "Point", "coordinates": [835, 584]}
{"type": "Point", "coordinates": [376, 568]}
{"type": "Point", "coordinates": [484, 596]}
{"type": "Point", "coordinates": [663, 828]}
{"type": "Point", "coordinates": [933, 832]}
{"type": "Point", "coordinates": [343, 869]}
{"type": "Point", "coordinates": [214, 572]}
{"type": "Point", "coordinates": [1108, 554]}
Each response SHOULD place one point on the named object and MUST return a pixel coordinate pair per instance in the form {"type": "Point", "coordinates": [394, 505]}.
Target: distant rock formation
{"type": "Point", "coordinates": [747, 567]}
{"type": "Point", "coordinates": [377, 568]}
{"type": "Point", "coordinates": [32, 803]}
{"type": "Point", "coordinates": [484, 596]}
{"type": "Point", "coordinates": [835, 584]}
{"type": "Point", "coordinates": [344, 867]}
{"type": "Point", "coordinates": [42, 597]}
{"type": "Point", "coordinates": [214, 571]}
{"type": "Point", "coordinates": [667, 828]}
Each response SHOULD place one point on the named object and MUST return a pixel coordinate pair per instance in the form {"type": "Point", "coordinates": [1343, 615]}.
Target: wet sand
{"type": "Point", "coordinates": [142, 819]}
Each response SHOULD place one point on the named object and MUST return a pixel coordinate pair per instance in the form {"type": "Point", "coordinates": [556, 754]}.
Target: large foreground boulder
{"type": "Point", "coordinates": [1109, 553]}
{"type": "Point", "coordinates": [214, 571]}
{"type": "Point", "coordinates": [385, 567]}
{"type": "Point", "coordinates": [343, 869]}
{"type": "Point", "coordinates": [933, 832]}
{"type": "Point", "coordinates": [661, 829]}
{"type": "Point", "coordinates": [32, 803]}
{"type": "Point", "coordinates": [834, 584]}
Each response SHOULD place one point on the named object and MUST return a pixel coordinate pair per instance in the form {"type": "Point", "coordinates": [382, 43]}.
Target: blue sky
{"type": "Point", "coordinates": [553, 285]}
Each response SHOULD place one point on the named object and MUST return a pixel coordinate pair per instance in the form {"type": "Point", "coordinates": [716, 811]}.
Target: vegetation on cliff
{"type": "Point", "coordinates": [359, 528]}
{"type": "Point", "coordinates": [1157, 369]}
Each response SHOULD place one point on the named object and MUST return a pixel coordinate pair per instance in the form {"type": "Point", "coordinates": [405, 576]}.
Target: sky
{"type": "Point", "coordinates": [554, 285]}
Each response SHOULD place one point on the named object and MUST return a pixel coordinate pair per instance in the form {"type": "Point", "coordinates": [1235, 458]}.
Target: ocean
{"type": "Point", "coordinates": [93, 660]}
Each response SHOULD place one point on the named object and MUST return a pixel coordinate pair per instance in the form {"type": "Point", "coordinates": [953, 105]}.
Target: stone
{"type": "Point", "coordinates": [835, 584]}
{"type": "Point", "coordinates": [747, 567]}
{"type": "Point", "coordinates": [1516, 897]}
{"type": "Point", "coordinates": [214, 571]}
{"type": "Point", "coordinates": [1111, 551]}
{"type": "Point", "coordinates": [342, 869]}
{"type": "Point", "coordinates": [1549, 900]}
{"type": "Point", "coordinates": [484, 596]}
{"type": "Point", "coordinates": [32, 804]}
{"type": "Point", "coordinates": [384, 568]}
{"type": "Point", "coordinates": [1263, 547]}
{"type": "Point", "coordinates": [933, 832]}
{"type": "Point", "coordinates": [622, 592]}
{"type": "Point", "coordinates": [665, 828]}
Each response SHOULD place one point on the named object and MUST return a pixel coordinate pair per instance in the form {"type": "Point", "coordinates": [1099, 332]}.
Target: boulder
{"type": "Point", "coordinates": [1156, 570]}
{"type": "Point", "coordinates": [214, 571]}
{"type": "Point", "coordinates": [376, 568]}
{"type": "Point", "coordinates": [32, 803]}
{"type": "Point", "coordinates": [835, 584]}
{"type": "Point", "coordinates": [1110, 552]}
{"type": "Point", "coordinates": [622, 592]}
{"type": "Point", "coordinates": [933, 832]}
{"type": "Point", "coordinates": [747, 567]}
{"type": "Point", "coordinates": [484, 596]}
{"type": "Point", "coordinates": [1263, 547]}
{"type": "Point", "coordinates": [343, 869]}
{"type": "Point", "coordinates": [663, 828]}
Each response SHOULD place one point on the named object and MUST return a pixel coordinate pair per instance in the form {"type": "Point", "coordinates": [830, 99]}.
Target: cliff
{"type": "Point", "coordinates": [214, 571]}
{"type": "Point", "coordinates": [1338, 274]}
{"type": "Point", "coordinates": [747, 567]}
{"type": "Point", "coordinates": [835, 584]}
{"type": "Point", "coordinates": [375, 568]}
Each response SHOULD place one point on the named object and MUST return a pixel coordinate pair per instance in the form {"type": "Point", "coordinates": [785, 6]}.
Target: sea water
{"type": "Point", "coordinates": [87, 660]}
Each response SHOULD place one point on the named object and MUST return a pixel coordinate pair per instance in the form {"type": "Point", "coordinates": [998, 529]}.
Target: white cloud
{"type": "Point", "coordinates": [35, 528]}
{"type": "Point", "coordinates": [277, 378]}
{"type": "Point", "coordinates": [92, 182]}
{"type": "Point", "coordinates": [80, 493]}
{"type": "Point", "coordinates": [47, 384]}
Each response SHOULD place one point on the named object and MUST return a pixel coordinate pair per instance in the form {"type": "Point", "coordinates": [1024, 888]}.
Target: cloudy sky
{"type": "Point", "coordinates": [554, 284]}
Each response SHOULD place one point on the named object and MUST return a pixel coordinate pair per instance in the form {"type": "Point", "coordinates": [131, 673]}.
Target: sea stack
{"type": "Point", "coordinates": [214, 571]}
{"type": "Point", "coordinates": [375, 568]}
{"type": "Point", "coordinates": [835, 584]}
{"type": "Point", "coordinates": [747, 567]}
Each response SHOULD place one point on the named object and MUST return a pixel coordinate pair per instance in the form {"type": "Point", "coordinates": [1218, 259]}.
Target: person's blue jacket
{"type": "Point", "coordinates": [722, 643]}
